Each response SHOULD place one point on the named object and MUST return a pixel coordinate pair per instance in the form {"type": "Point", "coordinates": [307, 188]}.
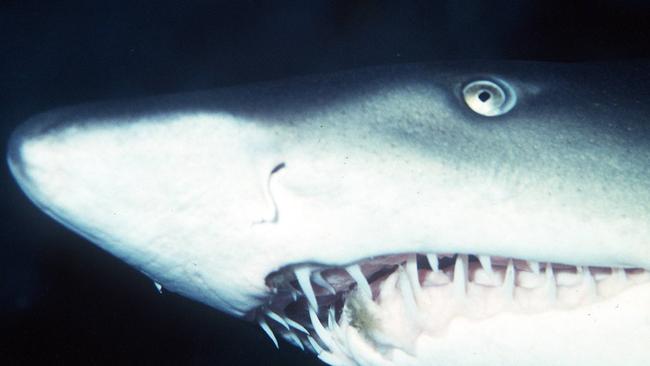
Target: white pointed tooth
{"type": "Point", "coordinates": [296, 325]}
{"type": "Point", "coordinates": [362, 284]}
{"type": "Point", "coordinates": [551, 287]}
{"type": "Point", "coordinates": [534, 266]}
{"type": "Point", "coordinates": [589, 281]}
{"type": "Point", "coordinates": [331, 318]}
{"type": "Point", "coordinates": [460, 275]}
{"type": "Point", "coordinates": [265, 327]}
{"type": "Point", "coordinates": [322, 333]}
{"type": "Point", "coordinates": [620, 274]}
{"type": "Point", "coordinates": [303, 276]}
{"type": "Point", "coordinates": [486, 263]}
{"type": "Point", "coordinates": [317, 348]}
{"type": "Point", "coordinates": [412, 273]}
{"type": "Point", "coordinates": [318, 279]}
{"type": "Point", "coordinates": [158, 287]}
{"type": "Point", "coordinates": [277, 318]}
{"type": "Point", "coordinates": [332, 325]}
{"type": "Point", "coordinates": [293, 338]}
{"type": "Point", "coordinates": [406, 290]}
{"type": "Point", "coordinates": [433, 262]}
{"type": "Point", "coordinates": [509, 280]}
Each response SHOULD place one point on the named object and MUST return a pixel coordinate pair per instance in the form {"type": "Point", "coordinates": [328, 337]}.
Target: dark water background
{"type": "Point", "coordinates": [63, 301]}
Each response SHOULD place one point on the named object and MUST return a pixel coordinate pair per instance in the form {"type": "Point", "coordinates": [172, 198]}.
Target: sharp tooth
{"type": "Point", "coordinates": [509, 281]}
{"type": "Point", "coordinates": [551, 287]}
{"type": "Point", "coordinates": [332, 325]}
{"type": "Point", "coordinates": [534, 266]}
{"type": "Point", "coordinates": [486, 263]}
{"type": "Point", "coordinates": [265, 327]}
{"type": "Point", "coordinates": [331, 318]}
{"type": "Point", "coordinates": [460, 275]}
{"type": "Point", "coordinates": [322, 333]}
{"type": "Point", "coordinates": [412, 273]}
{"type": "Point", "coordinates": [158, 287]}
{"type": "Point", "coordinates": [433, 262]}
{"type": "Point", "coordinates": [406, 291]}
{"type": "Point", "coordinates": [620, 274]}
{"type": "Point", "coordinates": [356, 274]}
{"type": "Point", "coordinates": [296, 325]}
{"type": "Point", "coordinates": [318, 279]}
{"type": "Point", "coordinates": [303, 277]}
{"type": "Point", "coordinates": [589, 281]}
{"type": "Point", "coordinates": [277, 318]}
{"type": "Point", "coordinates": [317, 348]}
{"type": "Point", "coordinates": [293, 338]}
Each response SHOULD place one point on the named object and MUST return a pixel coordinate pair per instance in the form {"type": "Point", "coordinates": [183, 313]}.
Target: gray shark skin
{"type": "Point", "coordinates": [394, 215]}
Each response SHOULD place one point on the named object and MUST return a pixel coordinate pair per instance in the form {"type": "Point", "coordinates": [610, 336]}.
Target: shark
{"type": "Point", "coordinates": [452, 213]}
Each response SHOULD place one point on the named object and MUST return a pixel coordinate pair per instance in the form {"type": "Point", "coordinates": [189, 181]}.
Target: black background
{"type": "Point", "coordinates": [62, 300]}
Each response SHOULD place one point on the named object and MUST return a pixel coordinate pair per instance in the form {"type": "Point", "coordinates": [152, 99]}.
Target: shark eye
{"type": "Point", "coordinates": [488, 98]}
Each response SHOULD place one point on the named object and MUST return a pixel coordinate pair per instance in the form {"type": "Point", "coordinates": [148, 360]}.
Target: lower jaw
{"type": "Point", "coordinates": [613, 331]}
{"type": "Point", "coordinates": [400, 310]}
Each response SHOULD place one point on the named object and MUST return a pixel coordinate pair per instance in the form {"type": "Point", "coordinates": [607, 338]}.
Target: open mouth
{"type": "Point", "coordinates": [313, 305]}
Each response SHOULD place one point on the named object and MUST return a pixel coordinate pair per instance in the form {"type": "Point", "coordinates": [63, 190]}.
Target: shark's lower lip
{"type": "Point", "coordinates": [304, 296]}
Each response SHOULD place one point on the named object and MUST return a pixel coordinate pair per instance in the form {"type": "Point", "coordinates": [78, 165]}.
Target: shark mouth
{"type": "Point", "coordinates": [327, 308]}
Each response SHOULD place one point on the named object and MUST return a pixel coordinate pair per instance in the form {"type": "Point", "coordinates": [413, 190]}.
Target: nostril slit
{"type": "Point", "coordinates": [275, 215]}
{"type": "Point", "coordinates": [278, 167]}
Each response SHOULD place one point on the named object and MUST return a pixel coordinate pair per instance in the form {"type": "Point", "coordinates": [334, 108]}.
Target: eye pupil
{"type": "Point", "coordinates": [489, 98]}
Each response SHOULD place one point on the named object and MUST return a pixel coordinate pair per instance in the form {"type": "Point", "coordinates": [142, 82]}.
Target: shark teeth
{"type": "Point", "coordinates": [433, 262]}
{"type": "Point", "coordinates": [551, 286]}
{"type": "Point", "coordinates": [265, 327]}
{"type": "Point", "coordinates": [362, 283]}
{"type": "Point", "coordinates": [486, 263]}
{"type": "Point", "coordinates": [411, 269]}
{"type": "Point", "coordinates": [460, 275]}
{"type": "Point", "coordinates": [158, 287]}
{"type": "Point", "coordinates": [509, 281]}
{"type": "Point", "coordinates": [277, 318]}
{"type": "Point", "coordinates": [303, 276]}
{"type": "Point", "coordinates": [318, 279]}
{"type": "Point", "coordinates": [307, 302]}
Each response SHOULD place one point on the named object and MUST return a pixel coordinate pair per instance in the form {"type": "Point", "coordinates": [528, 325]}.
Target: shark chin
{"type": "Point", "coordinates": [452, 214]}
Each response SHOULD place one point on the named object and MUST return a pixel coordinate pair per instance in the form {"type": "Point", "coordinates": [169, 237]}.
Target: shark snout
{"type": "Point", "coordinates": [26, 135]}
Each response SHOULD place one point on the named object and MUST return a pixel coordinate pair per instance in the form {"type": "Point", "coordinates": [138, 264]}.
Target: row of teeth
{"type": "Point", "coordinates": [458, 275]}
{"type": "Point", "coordinates": [460, 278]}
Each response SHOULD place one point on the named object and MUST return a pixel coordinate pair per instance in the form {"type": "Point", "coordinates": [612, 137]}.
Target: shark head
{"type": "Point", "coordinates": [451, 214]}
